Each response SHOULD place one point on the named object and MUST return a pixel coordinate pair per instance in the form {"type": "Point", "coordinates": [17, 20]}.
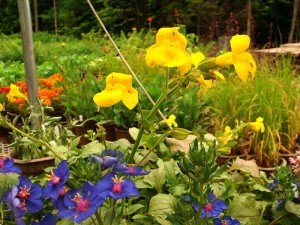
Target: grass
{"type": "Point", "coordinates": [272, 95]}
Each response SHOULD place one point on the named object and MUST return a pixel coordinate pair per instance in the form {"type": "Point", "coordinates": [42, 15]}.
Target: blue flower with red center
{"type": "Point", "coordinates": [13, 203]}
{"type": "Point", "coordinates": [129, 169]}
{"type": "Point", "coordinates": [116, 187]}
{"type": "Point", "coordinates": [105, 161]}
{"type": "Point", "coordinates": [226, 220]}
{"type": "Point", "coordinates": [7, 165]}
{"type": "Point", "coordinates": [80, 205]}
{"type": "Point", "coordinates": [48, 219]}
{"type": "Point", "coordinates": [29, 195]}
{"type": "Point", "coordinates": [56, 180]}
{"type": "Point", "coordinates": [59, 202]}
{"type": "Point", "coordinates": [212, 208]}
{"type": "Point", "coordinates": [113, 153]}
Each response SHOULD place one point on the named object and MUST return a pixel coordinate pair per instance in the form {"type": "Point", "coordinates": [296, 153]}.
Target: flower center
{"type": "Point", "coordinates": [81, 204]}
{"type": "Point", "coordinates": [131, 169]}
{"type": "Point", "coordinates": [53, 178]}
{"type": "Point", "coordinates": [63, 191]}
{"type": "Point", "coordinates": [2, 165]}
{"type": "Point", "coordinates": [224, 222]}
{"type": "Point", "coordinates": [208, 207]}
{"type": "Point", "coordinates": [117, 184]}
{"type": "Point", "coordinates": [23, 193]}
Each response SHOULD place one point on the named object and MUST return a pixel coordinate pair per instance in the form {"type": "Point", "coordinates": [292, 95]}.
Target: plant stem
{"type": "Point", "coordinates": [34, 139]}
{"type": "Point", "coordinates": [98, 216]}
{"type": "Point", "coordinates": [113, 213]}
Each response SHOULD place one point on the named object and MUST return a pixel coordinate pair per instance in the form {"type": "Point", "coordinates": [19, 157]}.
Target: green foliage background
{"type": "Point", "coordinates": [208, 19]}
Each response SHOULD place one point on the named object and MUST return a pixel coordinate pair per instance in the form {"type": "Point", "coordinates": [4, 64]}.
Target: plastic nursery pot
{"type": "Point", "coordinates": [32, 167]}
{"type": "Point", "coordinates": [269, 169]}
{"type": "Point", "coordinates": [222, 159]}
{"type": "Point", "coordinates": [110, 131]}
{"type": "Point", "coordinates": [121, 133]}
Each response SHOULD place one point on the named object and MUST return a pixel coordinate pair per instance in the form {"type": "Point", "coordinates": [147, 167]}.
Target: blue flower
{"type": "Point", "coordinates": [80, 205]}
{"type": "Point", "coordinates": [226, 220]}
{"type": "Point", "coordinates": [116, 187]}
{"type": "Point", "coordinates": [212, 208]}
{"type": "Point", "coordinates": [129, 169]}
{"type": "Point", "coordinates": [7, 165]}
{"type": "Point", "coordinates": [273, 185]}
{"type": "Point", "coordinates": [13, 204]}
{"type": "Point", "coordinates": [48, 219]}
{"type": "Point", "coordinates": [105, 161]}
{"type": "Point", "coordinates": [113, 153]}
{"type": "Point", "coordinates": [29, 195]}
{"type": "Point", "coordinates": [56, 180]}
{"type": "Point", "coordinates": [280, 202]}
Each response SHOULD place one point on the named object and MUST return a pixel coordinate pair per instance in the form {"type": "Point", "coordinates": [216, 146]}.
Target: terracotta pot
{"type": "Point", "coordinates": [228, 158]}
{"type": "Point", "coordinates": [33, 167]}
{"type": "Point", "coordinates": [121, 133]}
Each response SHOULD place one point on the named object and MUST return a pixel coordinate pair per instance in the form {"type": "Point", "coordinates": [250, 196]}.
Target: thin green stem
{"type": "Point", "coordinates": [113, 213]}
{"type": "Point", "coordinates": [136, 143]}
{"type": "Point", "coordinates": [34, 139]}
{"type": "Point", "coordinates": [98, 216]}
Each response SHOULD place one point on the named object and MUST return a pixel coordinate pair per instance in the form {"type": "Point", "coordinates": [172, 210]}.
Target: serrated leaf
{"type": "Point", "coordinates": [161, 205]}
{"type": "Point", "coordinates": [293, 208]}
{"type": "Point", "coordinates": [249, 166]}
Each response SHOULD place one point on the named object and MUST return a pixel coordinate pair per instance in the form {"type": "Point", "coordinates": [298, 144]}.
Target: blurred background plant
{"type": "Point", "coordinates": [272, 96]}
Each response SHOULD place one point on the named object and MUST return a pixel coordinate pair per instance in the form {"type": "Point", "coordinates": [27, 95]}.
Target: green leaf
{"type": "Point", "coordinates": [133, 208]}
{"type": "Point", "coordinates": [245, 208]}
{"type": "Point", "coordinates": [293, 208]}
{"type": "Point", "coordinates": [156, 178]}
{"type": "Point", "coordinates": [249, 166]}
{"type": "Point", "coordinates": [161, 205]}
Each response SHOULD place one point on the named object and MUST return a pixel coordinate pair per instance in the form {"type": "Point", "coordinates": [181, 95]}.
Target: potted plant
{"type": "Point", "coordinates": [34, 146]}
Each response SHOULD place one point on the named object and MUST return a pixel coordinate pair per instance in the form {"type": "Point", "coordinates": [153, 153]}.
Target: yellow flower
{"type": "Point", "coordinates": [196, 58]}
{"type": "Point", "coordinates": [1, 107]}
{"type": "Point", "coordinates": [242, 60]}
{"type": "Point", "coordinates": [258, 125]}
{"type": "Point", "coordinates": [170, 121]}
{"type": "Point", "coordinates": [118, 88]}
{"type": "Point", "coordinates": [14, 93]}
{"type": "Point", "coordinates": [169, 50]}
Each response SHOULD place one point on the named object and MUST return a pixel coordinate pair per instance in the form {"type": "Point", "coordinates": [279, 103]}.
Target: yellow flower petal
{"type": "Point", "coordinates": [172, 35]}
{"type": "Point", "coordinates": [130, 98]}
{"type": "Point", "coordinates": [239, 43]}
{"type": "Point", "coordinates": [124, 79]}
{"type": "Point", "coordinates": [201, 80]}
{"type": "Point", "coordinates": [243, 66]}
{"type": "Point", "coordinates": [197, 58]}
{"type": "Point", "coordinates": [220, 75]}
{"type": "Point", "coordinates": [171, 121]}
{"type": "Point", "coordinates": [165, 55]}
{"type": "Point", "coordinates": [224, 59]}
{"type": "Point", "coordinates": [1, 107]}
{"type": "Point", "coordinates": [107, 98]}
{"type": "Point", "coordinates": [185, 67]}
